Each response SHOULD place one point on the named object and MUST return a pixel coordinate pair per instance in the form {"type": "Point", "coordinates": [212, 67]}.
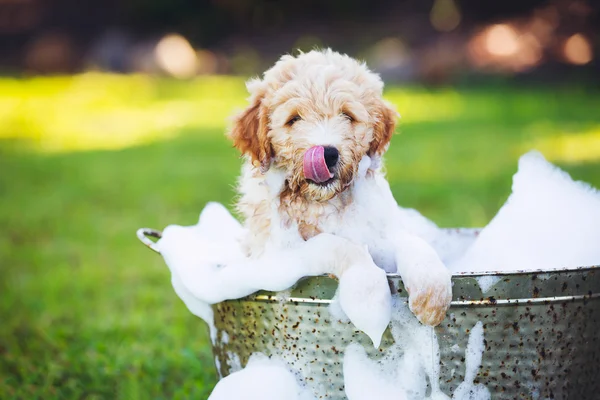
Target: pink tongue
{"type": "Point", "coordinates": [315, 167]}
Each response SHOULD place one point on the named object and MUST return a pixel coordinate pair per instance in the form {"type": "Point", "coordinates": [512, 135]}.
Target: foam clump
{"type": "Point", "coordinates": [263, 378]}
{"type": "Point", "coordinates": [407, 366]}
{"type": "Point", "coordinates": [548, 222]}
{"type": "Point", "coordinates": [449, 245]}
{"type": "Point", "coordinates": [364, 301]}
{"type": "Point", "coordinates": [468, 389]}
{"type": "Point", "coordinates": [208, 266]}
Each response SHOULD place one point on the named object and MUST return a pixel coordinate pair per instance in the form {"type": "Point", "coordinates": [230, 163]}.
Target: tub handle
{"type": "Point", "coordinates": [144, 234]}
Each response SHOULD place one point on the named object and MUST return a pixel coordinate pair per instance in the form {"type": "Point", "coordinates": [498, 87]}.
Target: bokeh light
{"type": "Point", "coordinates": [445, 15]}
{"type": "Point", "coordinates": [578, 49]}
{"type": "Point", "coordinates": [504, 47]}
{"type": "Point", "coordinates": [389, 53]}
{"type": "Point", "coordinates": [502, 40]}
{"type": "Point", "coordinates": [176, 56]}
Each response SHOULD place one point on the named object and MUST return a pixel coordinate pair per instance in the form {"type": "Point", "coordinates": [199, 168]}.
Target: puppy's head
{"type": "Point", "coordinates": [315, 116]}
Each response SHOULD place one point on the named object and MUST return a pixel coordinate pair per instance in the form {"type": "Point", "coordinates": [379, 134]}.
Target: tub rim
{"type": "Point", "coordinates": [144, 235]}
{"type": "Point", "coordinates": [476, 274]}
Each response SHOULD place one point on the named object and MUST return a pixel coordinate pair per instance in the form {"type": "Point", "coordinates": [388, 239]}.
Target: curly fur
{"type": "Point", "coordinates": [326, 98]}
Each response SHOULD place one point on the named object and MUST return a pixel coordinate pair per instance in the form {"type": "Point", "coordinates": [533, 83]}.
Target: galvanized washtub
{"type": "Point", "coordinates": [541, 329]}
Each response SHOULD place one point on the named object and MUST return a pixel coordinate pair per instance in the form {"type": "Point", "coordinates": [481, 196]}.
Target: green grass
{"type": "Point", "coordinates": [87, 312]}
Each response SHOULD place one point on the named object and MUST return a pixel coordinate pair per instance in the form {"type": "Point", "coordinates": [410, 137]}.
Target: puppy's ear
{"type": "Point", "coordinates": [384, 128]}
{"type": "Point", "coordinates": [249, 134]}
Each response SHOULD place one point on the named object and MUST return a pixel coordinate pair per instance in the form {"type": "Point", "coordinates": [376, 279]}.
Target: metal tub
{"type": "Point", "coordinates": [541, 329]}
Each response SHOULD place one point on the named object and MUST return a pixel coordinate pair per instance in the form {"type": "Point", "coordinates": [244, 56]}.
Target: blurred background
{"type": "Point", "coordinates": [436, 42]}
{"type": "Point", "coordinates": [112, 117]}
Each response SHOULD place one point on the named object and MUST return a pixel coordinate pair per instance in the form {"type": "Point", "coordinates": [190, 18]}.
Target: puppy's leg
{"type": "Point", "coordinates": [425, 277]}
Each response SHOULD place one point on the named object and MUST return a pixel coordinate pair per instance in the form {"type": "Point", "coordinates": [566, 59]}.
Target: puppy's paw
{"type": "Point", "coordinates": [430, 295]}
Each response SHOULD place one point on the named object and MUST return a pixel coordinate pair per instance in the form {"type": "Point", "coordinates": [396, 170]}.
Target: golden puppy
{"type": "Point", "coordinates": [313, 137]}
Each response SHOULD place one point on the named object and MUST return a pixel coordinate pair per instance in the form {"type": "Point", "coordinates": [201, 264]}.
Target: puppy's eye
{"type": "Point", "coordinates": [293, 120]}
{"type": "Point", "coordinates": [348, 117]}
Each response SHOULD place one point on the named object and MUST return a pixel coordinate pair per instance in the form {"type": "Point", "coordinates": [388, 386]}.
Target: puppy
{"type": "Point", "coordinates": [312, 138]}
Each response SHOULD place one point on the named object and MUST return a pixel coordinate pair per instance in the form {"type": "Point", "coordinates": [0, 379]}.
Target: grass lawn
{"type": "Point", "coordinates": [87, 312]}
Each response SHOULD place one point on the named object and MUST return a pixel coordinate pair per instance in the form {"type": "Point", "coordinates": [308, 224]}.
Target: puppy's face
{"type": "Point", "coordinates": [315, 117]}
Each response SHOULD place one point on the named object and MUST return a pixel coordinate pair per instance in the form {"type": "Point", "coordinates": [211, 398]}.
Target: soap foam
{"type": "Point", "coordinates": [233, 362]}
{"type": "Point", "coordinates": [263, 378]}
{"type": "Point", "coordinates": [469, 390]}
{"type": "Point", "coordinates": [408, 365]}
{"type": "Point", "coordinates": [449, 245]}
{"type": "Point", "coordinates": [208, 267]}
{"type": "Point", "coordinates": [486, 282]}
{"type": "Point", "coordinates": [548, 222]}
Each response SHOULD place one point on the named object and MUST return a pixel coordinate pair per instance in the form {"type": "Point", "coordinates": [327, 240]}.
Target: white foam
{"type": "Point", "coordinates": [218, 366]}
{"type": "Point", "coordinates": [262, 379]}
{"type": "Point", "coordinates": [335, 309]}
{"type": "Point", "coordinates": [407, 366]}
{"type": "Point", "coordinates": [365, 301]}
{"type": "Point", "coordinates": [365, 379]}
{"type": "Point", "coordinates": [233, 362]}
{"type": "Point", "coordinates": [486, 282]}
{"type": "Point", "coordinates": [468, 389]}
{"type": "Point", "coordinates": [449, 245]}
{"type": "Point", "coordinates": [196, 307]}
{"type": "Point", "coordinates": [224, 337]}
{"type": "Point", "coordinates": [208, 267]}
{"type": "Point", "coordinates": [548, 222]}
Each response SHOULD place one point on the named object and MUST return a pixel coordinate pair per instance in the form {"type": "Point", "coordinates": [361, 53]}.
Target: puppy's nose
{"type": "Point", "coordinates": [331, 156]}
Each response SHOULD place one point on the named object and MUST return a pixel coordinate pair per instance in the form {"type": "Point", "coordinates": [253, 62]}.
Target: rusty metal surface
{"type": "Point", "coordinates": [542, 334]}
